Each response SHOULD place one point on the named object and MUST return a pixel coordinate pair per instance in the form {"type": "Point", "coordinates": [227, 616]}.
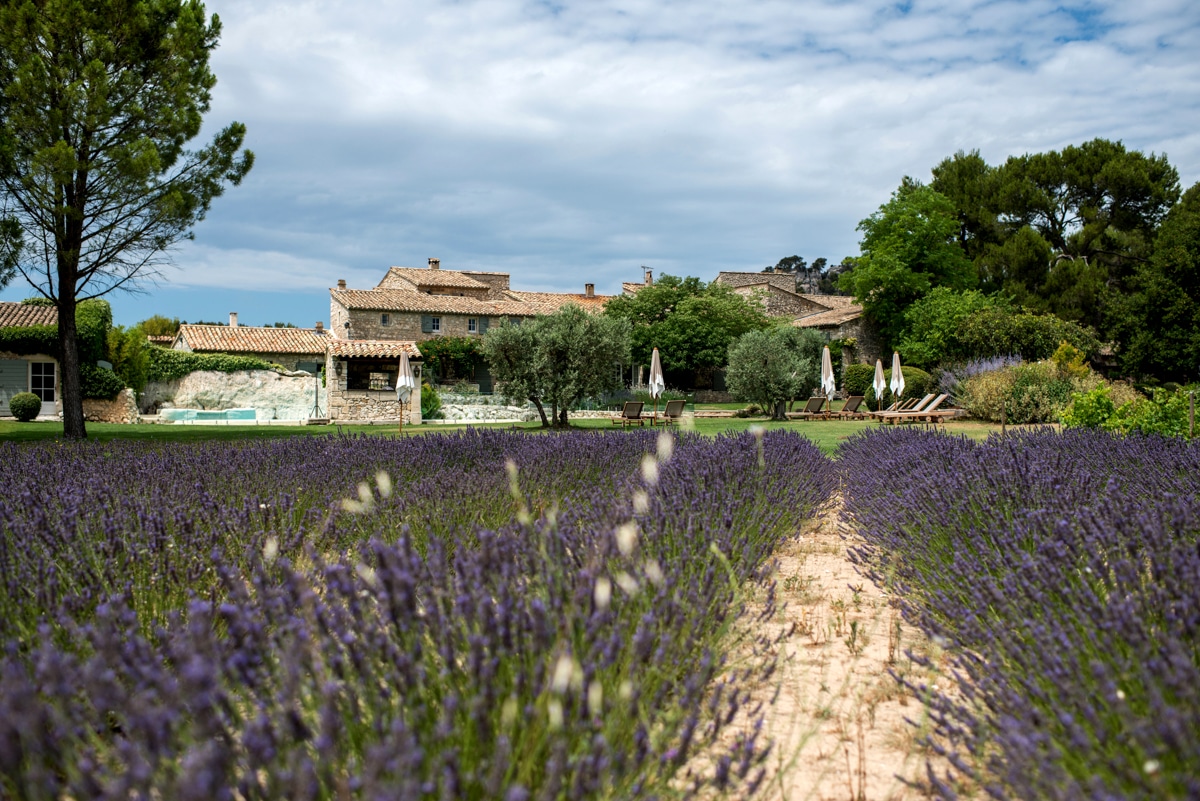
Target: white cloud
{"type": "Point", "coordinates": [590, 138]}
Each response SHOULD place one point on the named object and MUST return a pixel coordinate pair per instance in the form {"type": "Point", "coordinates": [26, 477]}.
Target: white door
{"type": "Point", "coordinates": [42, 383]}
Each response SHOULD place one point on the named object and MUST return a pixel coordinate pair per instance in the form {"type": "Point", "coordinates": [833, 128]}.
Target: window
{"type": "Point", "coordinates": [385, 319]}
{"type": "Point", "coordinates": [472, 325]}
{"type": "Point", "coordinates": [41, 380]}
{"type": "Point", "coordinates": [435, 324]}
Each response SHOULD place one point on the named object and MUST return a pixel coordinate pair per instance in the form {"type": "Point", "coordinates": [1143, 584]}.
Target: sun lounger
{"type": "Point", "coordinates": [926, 411]}
{"type": "Point", "coordinates": [631, 415]}
{"type": "Point", "coordinates": [812, 410]}
{"type": "Point", "coordinates": [852, 409]}
{"type": "Point", "coordinates": [672, 412]}
{"type": "Point", "coordinates": [910, 405]}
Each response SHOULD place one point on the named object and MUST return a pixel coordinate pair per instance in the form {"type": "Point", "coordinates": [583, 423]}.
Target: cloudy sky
{"type": "Point", "coordinates": [571, 142]}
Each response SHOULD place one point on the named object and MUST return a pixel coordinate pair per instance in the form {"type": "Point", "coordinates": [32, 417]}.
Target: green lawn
{"type": "Point", "coordinates": [827, 434]}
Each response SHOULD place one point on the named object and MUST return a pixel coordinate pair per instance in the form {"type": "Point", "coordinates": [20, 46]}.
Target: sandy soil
{"type": "Point", "coordinates": [843, 727]}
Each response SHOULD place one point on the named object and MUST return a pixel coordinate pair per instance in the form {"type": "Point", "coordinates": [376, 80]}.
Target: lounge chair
{"type": "Point", "coordinates": [631, 414]}
{"type": "Point", "coordinates": [813, 409]}
{"type": "Point", "coordinates": [850, 411]}
{"type": "Point", "coordinates": [903, 406]}
{"type": "Point", "coordinates": [926, 411]}
{"type": "Point", "coordinates": [672, 412]}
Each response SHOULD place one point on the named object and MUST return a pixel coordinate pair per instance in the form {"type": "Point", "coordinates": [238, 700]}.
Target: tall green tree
{"type": "Point", "coordinates": [691, 324]}
{"type": "Point", "coordinates": [558, 360]}
{"type": "Point", "coordinates": [98, 102]}
{"type": "Point", "coordinates": [909, 246]}
{"type": "Point", "coordinates": [1061, 231]}
{"type": "Point", "coordinates": [1158, 326]}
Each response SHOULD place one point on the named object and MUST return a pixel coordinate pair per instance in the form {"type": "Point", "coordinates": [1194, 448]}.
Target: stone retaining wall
{"type": "Point", "coordinates": [272, 395]}
{"type": "Point", "coordinates": [121, 409]}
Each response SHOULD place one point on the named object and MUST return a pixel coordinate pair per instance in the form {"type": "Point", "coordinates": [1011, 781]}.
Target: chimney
{"type": "Point", "coordinates": [320, 326]}
{"type": "Point", "coordinates": [589, 290]}
{"type": "Point", "coordinates": [341, 283]}
{"type": "Point", "coordinates": [435, 263]}
{"type": "Point", "coordinates": [649, 276]}
{"type": "Point", "coordinates": [233, 319]}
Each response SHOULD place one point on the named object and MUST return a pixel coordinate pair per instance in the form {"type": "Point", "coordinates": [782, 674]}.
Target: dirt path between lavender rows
{"type": "Point", "coordinates": [840, 721]}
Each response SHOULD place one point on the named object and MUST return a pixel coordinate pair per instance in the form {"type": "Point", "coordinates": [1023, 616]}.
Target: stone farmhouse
{"type": "Point", "coordinates": [370, 327]}
{"type": "Point", "coordinates": [836, 316]}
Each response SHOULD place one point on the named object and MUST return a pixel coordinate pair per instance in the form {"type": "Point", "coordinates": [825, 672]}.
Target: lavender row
{"type": "Point", "coordinates": [487, 615]}
{"type": "Point", "coordinates": [1063, 570]}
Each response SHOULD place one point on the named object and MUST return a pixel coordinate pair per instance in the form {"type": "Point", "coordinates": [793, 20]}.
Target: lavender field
{"type": "Point", "coordinates": [1062, 573]}
{"type": "Point", "coordinates": [484, 615]}
{"type": "Point", "coordinates": [495, 615]}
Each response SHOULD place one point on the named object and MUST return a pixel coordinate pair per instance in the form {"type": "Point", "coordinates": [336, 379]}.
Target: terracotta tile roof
{"type": "Point", "coordinates": [422, 277]}
{"type": "Point", "coordinates": [550, 302]}
{"type": "Point", "coordinates": [630, 288]}
{"type": "Point", "coordinates": [373, 348]}
{"type": "Point", "coordinates": [831, 317]}
{"type": "Point", "coordinates": [251, 339]}
{"type": "Point", "coordinates": [165, 340]}
{"type": "Point", "coordinates": [23, 314]}
{"type": "Point", "coordinates": [402, 300]}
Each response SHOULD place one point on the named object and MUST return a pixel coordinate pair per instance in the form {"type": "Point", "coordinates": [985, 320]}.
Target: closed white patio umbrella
{"type": "Point", "coordinates": [406, 384]}
{"type": "Point", "coordinates": [897, 382]}
{"type": "Point", "coordinates": [880, 385]}
{"type": "Point", "coordinates": [657, 383]}
{"type": "Point", "coordinates": [828, 382]}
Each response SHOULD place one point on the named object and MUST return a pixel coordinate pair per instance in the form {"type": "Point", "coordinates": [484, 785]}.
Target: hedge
{"type": "Point", "coordinates": [168, 365]}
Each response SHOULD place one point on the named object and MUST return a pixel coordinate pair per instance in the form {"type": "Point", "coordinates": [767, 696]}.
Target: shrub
{"type": "Point", "coordinates": [1023, 393]}
{"type": "Point", "coordinates": [24, 406]}
{"type": "Point", "coordinates": [167, 365]}
{"type": "Point", "coordinates": [993, 331]}
{"type": "Point", "coordinates": [1068, 360]}
{"type": "Point", "coordinates": [431, 403]}
{"type": "Point", "coordinates": [1090, 409]}
{"type": "Point", "coordinates": [97, 382]}
{"type": "Point", "coordinates": [857, 378]}
{"type": "Point", "coordinates": [1166, 413]}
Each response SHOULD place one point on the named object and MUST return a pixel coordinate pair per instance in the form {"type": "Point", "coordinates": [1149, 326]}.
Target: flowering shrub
{"type": "Point", "coordinates": [1061, 572]}
{"type": "Point", "coordinates": [255, 620]}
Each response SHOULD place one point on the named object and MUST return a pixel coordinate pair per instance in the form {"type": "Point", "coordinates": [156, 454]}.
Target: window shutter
{"type": "Point", "coordinates": [483, 324]}
{"type": "Point", "coordinates": [426, 324]}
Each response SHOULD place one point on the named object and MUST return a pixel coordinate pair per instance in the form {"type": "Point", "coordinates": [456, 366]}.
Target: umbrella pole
{"type": "Point", "coordinates": [402, 418]}
{"type": "Point", "coordinates": [654, 419]}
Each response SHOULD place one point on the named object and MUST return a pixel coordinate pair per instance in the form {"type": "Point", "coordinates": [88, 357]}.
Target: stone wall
{"type": "Point", "coordinates": [778, 302]}
{"type": "Point", "coordinates": [121, 409]}
{"type": "Point", "coordinates": [712, 396]}
{"type": "Point", "coordinates": [785, 281]}
{"type": "Point", "coordinates": [867, 345]}
{"type": "Point", "coordinates": [406, 325]}
{"type": "Point", "coordinates": [272, 395]}
{"type": "Point", "coordinates": [349, 406]}
{"type": "Point", "coordinates": [497, 283]}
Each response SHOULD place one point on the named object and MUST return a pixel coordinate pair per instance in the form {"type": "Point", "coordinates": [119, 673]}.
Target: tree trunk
{"type": "Point", "coordinates": [541, 412]}
{"type": "Point", "coordinates": [779, 411]}
{"type": "Point", "coordinates": [562, 422]}
{"type": "Point", "coordinates": [68, 365]}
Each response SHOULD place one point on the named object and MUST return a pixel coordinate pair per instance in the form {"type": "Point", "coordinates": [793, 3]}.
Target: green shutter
{"type": "Point", "coordinates": [426, 324]}
{"type": "Point", "coordinates": [483, 324]}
